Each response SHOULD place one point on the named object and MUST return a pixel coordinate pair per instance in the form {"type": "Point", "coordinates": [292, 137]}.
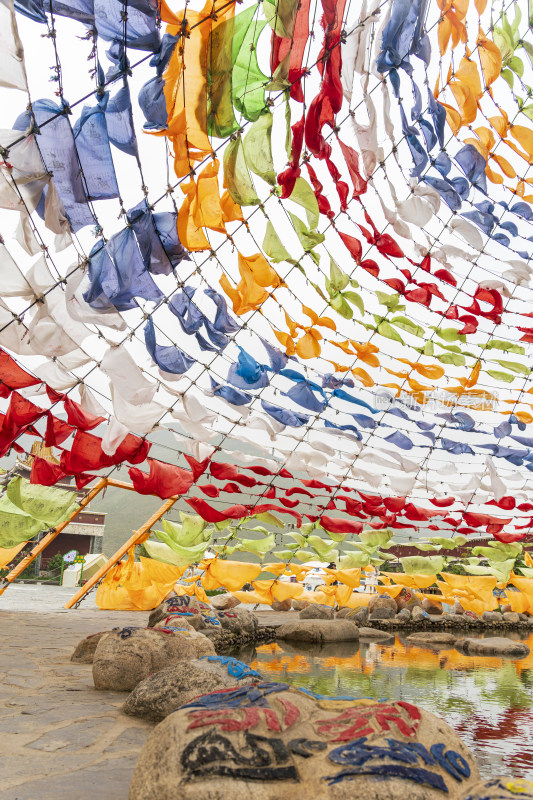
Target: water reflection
{"type": "Point", "coordinates": [489, 701]}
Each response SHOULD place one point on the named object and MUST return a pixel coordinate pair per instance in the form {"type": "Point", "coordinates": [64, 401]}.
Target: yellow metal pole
{"type": "Point", "coordinates": [138, 537]}
{"type": "Point", "coordinates": [51, 535]}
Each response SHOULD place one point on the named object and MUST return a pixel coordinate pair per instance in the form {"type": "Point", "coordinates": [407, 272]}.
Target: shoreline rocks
{"type": "Point", "coordinates": [318, 631]}
{"type": "Point", "coordinates": [493, 646]}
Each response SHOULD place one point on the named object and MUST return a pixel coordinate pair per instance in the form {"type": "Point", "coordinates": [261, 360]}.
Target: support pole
{"type": "Point", "coordinates": [51, 535]}
{"type": "Point", "coordinates": [137, 538]}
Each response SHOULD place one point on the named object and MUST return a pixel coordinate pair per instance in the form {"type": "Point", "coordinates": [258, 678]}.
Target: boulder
{"type": "Point", "coordinates": [316, 611]}
{"type": "Point", "coordinates": [491, 617]}
{"type": "Point", "coordinates": [404, 615]}
{"type": "Point", "coordinates": [85, 650]}
{"type": "Point", "coordinates": [493, 646]}
{"type": "Point", "coordinates": [176, 605]}
{"type": "Point", "coordinates": [501, 789]}
{"type": "Point", "coordinates": [125, 657]}
{"type": "Point", "coordinates": [406, 599]}
{"type": "Point", "coordinates": [418, 614]}
{"type": "Point", "coordinates": [270, 741]}
{"type": "Point", "coordinates": [505, 608]}
{"type": "Point", "coordinates": [178, 623]}
{"type": "Point", "coordinates": [358, 615]}
{"type": "Point", "coordinates": [282, 605]}
{"type": "Point", "coordinates": [318, 631]}
{"type": "Point", "coordinates": [432, 606]}
{"type": "Point", "coordinates": [299, 605]}
{"type": "Point", "coordinates": [437, 638]}
{"type": "Point", "coordinates": [378, 601]}
{"type": "Point", "coordinates": [238, 620]}
{"type": "Point", "coordinates": [523, 617]}
{"type": "Point", "coordinates": [382, 613]}
{"type": "Point", "coordinates": [375, 634]}
{"type": "Point", "coordinates": [511, 617]}
{"type": "Point", "coordinates": [343, 612]}
{"type": "Point", "coordinates": [223, 602]}
{"type": "Point", "coordinates": [160, 694]}
{"type": "Point", "coordinates": [457, 608]}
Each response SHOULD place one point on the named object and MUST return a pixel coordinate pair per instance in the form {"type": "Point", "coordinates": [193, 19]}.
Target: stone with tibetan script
{"type": "Point", "coordinates": [238, 620]}
{"type": "Point", "coordinates": [318, 631]}
{"type": "Point", "coordinates": [271, 741]}
{"type": "Point", "coordinates": [158, 695]}
{"type": "Point", "coordinates": [175, 605]}
{"type": "Point", "coordinates": [125, 657]}
{"type": "Point", "coordinates": [501, 789]}
{"type": "Point", "coordinates": [196, 622]}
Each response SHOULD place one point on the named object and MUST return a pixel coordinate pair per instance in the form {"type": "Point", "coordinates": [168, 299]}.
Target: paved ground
{"type": "Point", "coordinates": [60, 739]}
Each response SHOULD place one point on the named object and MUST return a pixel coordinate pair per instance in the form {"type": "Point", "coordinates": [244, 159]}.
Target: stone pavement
{"type": "Point", "coordinates": [60, 739]}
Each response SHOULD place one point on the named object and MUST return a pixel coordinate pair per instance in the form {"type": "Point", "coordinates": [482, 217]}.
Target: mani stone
{"type": "Point", "coordinates": [160, 694]}
{"type": "Point", "coordinates": [238, 620]}
{"type": "Point", "coordinates": [125, 657]}
{"type": "Point", "coordinates": [272, 741]}
{"type": "Point", "coordinates": [223, 602]}
{"type": "Point", "coordinates": [359, 615]}
{"type": "Point", "coordinates": [175, 605]}
{"type": "Point", "coordinates": [437, 638]}
{"type": "Point", "coordinates": [382, 613]}
{"type": "Point", "coordinates": [492, 646]}
{"type": "Point", "coordinates": [318, 631]}
{"type": "Point", "coordinates": [317, 611]}
{"type": "Point", "coordinates": [501, 789]}
{"type": "Point", "coordinates": [85, 650]}
{"type": "Point", "coordinates": [378, 601]}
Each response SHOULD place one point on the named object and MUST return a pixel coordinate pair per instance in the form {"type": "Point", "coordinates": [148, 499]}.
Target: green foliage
{"type": "Point", "coordinates": [54, 563]}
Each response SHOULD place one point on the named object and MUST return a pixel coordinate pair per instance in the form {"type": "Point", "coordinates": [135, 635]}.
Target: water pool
{"type": "Point", "coordinates": [489, 701]}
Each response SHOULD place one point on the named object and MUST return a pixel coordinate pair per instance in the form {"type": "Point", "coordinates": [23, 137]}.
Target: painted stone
{"type": "Point", "coordinates": [160, 694]}
{"type": "Point", "coordinates": [316, 611]}
{"type": "Point", "coordinates": [493, 646]}
{"type": "Point", "coordinates": [271, 741]}
{"type": "Point", "coordinates": [407, 599]}
{"type": "Point", "coordinates": [125, 657]}
{"type": "Point", "coordinates": [238, 620]}
{"type": "Point", "coordinates": [177, 605]}
{"type": "Point", "coordinates": [176, 623]}
{"type": "Point", "coordinates": [501, 789]}
{"type": "Point", "coordinates": [223, 602]}
{"type": "Point", "coordinates": [85, 650]}
{"type": "Point", "coordinates": [318, 631]}
{"type": "Point", "coordinates": [378, 601]}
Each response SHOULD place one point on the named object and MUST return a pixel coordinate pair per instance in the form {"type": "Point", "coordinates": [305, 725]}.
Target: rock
{"type": "Point", "coordinates": [491, 617]}
{"type": "Point", "coordinates": [282, 605]}
{"type": "Point", "coordinates": [270, 741]}
{"type": "Point", "coordinates": [492, 646]}
{"type": "Point", "coordinates": [505, 608]}
{"type": "Point", "coordinates": [418, 615]}
{"type": "Point", "coordinates": [125, 657]}
{"type": "Point", "coordinates": [523, 617]}
{"type": "Point", "coordinates": [432, 638]}
{"type": "Point", "coordinates": [382, 613]}
{"type": "Point", "coordinates": [316, 611]}
{"type": "Point", "coordinates": [343, 612]}
{"type": "Point", "coordinates": [238, 620]}
{"type": "Point", "coordinates": [511, 618]}
{"type": "Point", "coordinates": [501, 789]}
{"type": "Point", "coordinates": [406, 599]}
{"type": "Point", "coordinates": [404, 615]}
{"type": "Point", "coordinates": [299, 605]}
{"type": "Point", "coordinates": [176, 605]}
{"type": "Point", "coordinates": [454, 619]}
{"type": "Point", "coordinates": [223, 602]}
{"type": "Point", "coordinates": [381, 601]}
{"type": "Point", "coordinates": [374, 633]}
{"type": "Point", "coordinates": [358, 615]}
{"type": "Point", "coordinates": [177, 623]}
{"type": "Point", "coordinates": [85, 650]}
{"type": "Point", "coordinates": [457, 608]}
{"type": "Point", "coordinates": [432, 606]}
{"type": "Point", "coordinates": [160, 694]}
{"type": "Point", "coordinates": [319, 631]}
